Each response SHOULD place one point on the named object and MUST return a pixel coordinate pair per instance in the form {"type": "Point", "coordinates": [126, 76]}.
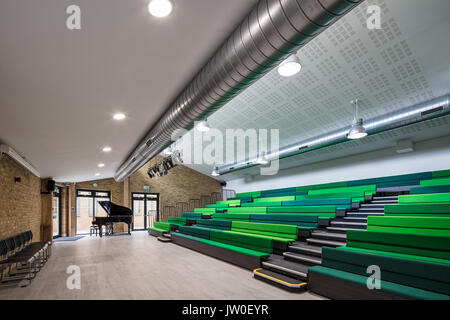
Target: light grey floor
{"type": "Point", "coordinates": [140, 267]}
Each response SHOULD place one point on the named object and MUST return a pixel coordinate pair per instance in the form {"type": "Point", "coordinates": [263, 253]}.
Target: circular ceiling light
{"type": "Point", "coordinates": [119, 116]}
{"type": "Point", "coordinates": [101, 165]}
{"type": "Point", "coordinates": [160, 8]}
{"type": "Point", "coordinates": [202, 126]}
{"type": "Point", "coordinates": [290, 67]}
{"type": "Point", "coordinates": [97, 174]}
{"type": "Point", "coordinates": [107, 149]}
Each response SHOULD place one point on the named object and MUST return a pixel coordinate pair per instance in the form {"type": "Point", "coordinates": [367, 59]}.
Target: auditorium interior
{"type": "Point", "coordinates": [225, 150]}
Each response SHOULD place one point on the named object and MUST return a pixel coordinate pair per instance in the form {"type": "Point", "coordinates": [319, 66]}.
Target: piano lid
{"type": "Point", "coordinates": [114, 209]}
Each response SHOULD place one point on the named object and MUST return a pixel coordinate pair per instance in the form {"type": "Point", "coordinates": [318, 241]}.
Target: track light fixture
{"type": "Point", "coordinates": [357, 131]}
{"type": "Point", "coordinates": [162, 168]}
{"type": "Point", "coordinates": [202, 126]}
{"type": "Point", "coordinates": [290, 67]}
{"type": "Point", "coordinates": [215, 172]}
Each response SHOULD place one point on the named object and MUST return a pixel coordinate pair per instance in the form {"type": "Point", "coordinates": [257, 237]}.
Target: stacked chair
{"type": "Point", "coordinates": [408, 239]}
{"type": "Point", "coordinates": [22, 259]}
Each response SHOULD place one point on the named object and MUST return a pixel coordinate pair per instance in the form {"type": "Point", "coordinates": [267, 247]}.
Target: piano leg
{"type": "Point", "coordinates": [100, 231]}
{"type": "Point", "coordinates": [129, 229]}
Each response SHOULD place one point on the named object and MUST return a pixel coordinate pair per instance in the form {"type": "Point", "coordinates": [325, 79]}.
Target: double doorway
{"type": "Point", "coordinates": [145, 208]}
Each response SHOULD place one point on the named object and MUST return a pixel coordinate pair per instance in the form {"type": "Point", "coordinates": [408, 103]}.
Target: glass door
{"type": "Point", "coordinates": [56, 212]}
{"type": "Point", "coordinates": [145, 210]}
{"type": "Point", "coordinates": [88, 208]}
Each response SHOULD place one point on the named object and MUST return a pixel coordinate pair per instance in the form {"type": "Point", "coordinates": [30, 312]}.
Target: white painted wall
{"type": "Point", "coordinates": [430, 155]}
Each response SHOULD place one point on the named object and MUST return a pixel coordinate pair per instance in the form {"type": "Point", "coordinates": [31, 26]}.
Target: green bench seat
{"type": "Point", "coordinates": [261, 204]}
{"type": "Point", "coordinates": [417, 210]}
{"type": "Point", "coordinates": [322, 186]}
{"type": "Point", "coordinates": [177, 221]}
{"type": "Point", "coordinates": [159, 228]}
{"type": "Point", "coordinates": [410, 225]}
{"type": "Point", "coordinates": [191, 215]}
{"type": "Point", "coordinates": [401, 269]}
{"type": "Point", "coordinates": [323, 212]}
{"type": "Point", "coordinates": [250, 210]}
{"type": "Point", "coordinates": [205, 211]}
{"type": "Point", "coordinates": [195, 232]}
{"type": "Point", "coordinates": [367, 188]}
{"type": "Point", "coordinates": [230, 203]}
{"type": "Point", "coordinates": [286, 232]}
{"type": "Point", "coordinates": [232, 216]}
{"type": "Point", "coordinates": [356, 287]}
{"type": "Point", "coordinates": [418, 245]}
{"type": "Point", "coordinates": [435, 182]}
{"type": "Point", "coordinates": [274, 199]}
{"type": "Point", "coordinates": [220, 206]}
{"type": "Point", "coordinates": [340, 203]}
{"type": "Point", "coordinates": [436, 189]}
{"type": "Point", "coordinates": [301, 221]}
{"type": "Point", "coordinates": [253, 194]}
{"type": "Point", "coordinates": [214, 224]}
{"type": "Point", "coordinates": [247, 241]}
{"type": "Point", "coordinates": [440, 174]}
{"type": "Point", "coordinates": [392, 181]}
{"type": "Point", "coordinates": [424, 198]}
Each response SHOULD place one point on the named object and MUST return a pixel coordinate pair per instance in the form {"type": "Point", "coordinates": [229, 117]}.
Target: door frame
{"type": "Point", "coordinates": [59, 196]}
{"type": "Point", "coordinates": [145, 199]}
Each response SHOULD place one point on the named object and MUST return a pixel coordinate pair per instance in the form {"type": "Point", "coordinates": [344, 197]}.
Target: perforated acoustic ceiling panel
{"type": "Point", "coordinates": [404, 63]}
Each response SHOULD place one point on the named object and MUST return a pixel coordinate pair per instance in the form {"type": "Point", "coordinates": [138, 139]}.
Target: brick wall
{"type": "Point", "coordinates": [20, 202]}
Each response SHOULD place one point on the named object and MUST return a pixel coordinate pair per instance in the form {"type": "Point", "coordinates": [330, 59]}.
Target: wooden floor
{"type": "Point", "coordinates": [140, 267]}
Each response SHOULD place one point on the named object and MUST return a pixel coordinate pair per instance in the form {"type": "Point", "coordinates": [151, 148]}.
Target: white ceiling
{"type": "Point", "coordinates": [60, 88]}
{"type": "Point", "coordinates": [405, 63]}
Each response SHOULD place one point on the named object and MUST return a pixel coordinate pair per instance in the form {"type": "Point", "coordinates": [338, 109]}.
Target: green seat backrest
{"type": "Point", "coordinates": [438, 226]}
{"type": "Point", "coordinates": [441, 174]}
{"type": "Point", "coordinates": [368, 188]}
{"type": "Point", "coordinates": [232, 216]}
{"type": "Point", "coordinates": [277, 230]}
{"type": "Point", "coordinates": [205, 210]}
{"type": "Point", "coordinates": [177, 220]}
{"type": "Point", "coordinates": [216, 206]}
{"type": "Point", "coordinates": [435, 182]}
{"type": "Point", "coordinates": [319, 202]}
{"type": "Point", "coordinates": [302, 209]}
{"type": "Point", "coordinates": [274, 199]}
{"type": "Point", "coordinates": [230, 203]}
{"type": "Point", "coordinates": [399, 180]}
{"type": "Point", "coordinates": [194, 231]}
{"type": "Point", "coordinates": [244, 241]}
{"type": "Point", "coordinates": [420, 245]}
{"type": "Point", "coordinates": [253, 194]}
{"type": "Point", "coordinates": [424, 198]}
{"type": "Point", "coordinates": [354, 196]}
{"type": "Point", "coordinates": [250, 210]}
{"type": "Point", "coordinates": [214, 224]}
{"type": "Point", "coordinates": [261, 204]}
{"type": "Point", "coordinates": [162, 225]}
{"type": "Point", "coordinates": [417, 209]}
{"type": "Point", "coordinates": [191, 215]}
{"type": "Point", "coordinates": [435, 189]}
{"type": "Point", "coordinates": [322, 186]}
{"type": "Point", "coordinates": [290, 219]}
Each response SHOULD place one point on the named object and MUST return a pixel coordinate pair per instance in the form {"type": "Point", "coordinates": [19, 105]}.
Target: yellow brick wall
{"type": "Point", "coordinates": [20, 203]}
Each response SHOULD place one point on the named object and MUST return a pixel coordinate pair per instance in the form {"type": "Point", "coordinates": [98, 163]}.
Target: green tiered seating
{"type": "Point", "coordinates": [413, 244]}
{"type": "Point", "coordinates": [323, 212]}
{"type": "Point", "coordinates": [354, 196]}
{"type": "Point", "coordinates": [435, 182]}
{"type": "Point", "coordinates": [230, 203]}
{"type": "Point", "coordinates": [393, 181]}
{"type": "Point", "coordinates": [254, 194]}
{"type": "Point", "coordinates": [424, 198]}
{"type": "Point", "coordinates": [438, 210]}
{"type": "Point", "coordinates": [223, 206]}
{"type": "Point", "coordinates": [214, 224]}
{"type": "Point", "coordinates": [191, 215]}
{"type": "Point", "coordinates": [417, 225]}
{"type": "Point", "coordinates": [262, 204]}
{"type": "Point", "coordinates": [232, 216]}
{"type": "Point", "coordinates": [159, 228]}
{"type": "Point", "coordinates": [367, 189]}
{"type": "Point", "coordinates": [250, 210]}
{"type": "Point", "coordinates": [195, 232]}
{"type": "Point", "coordinates": [284, 233]}
{"type": "Point", "coordinates": [274, 199]}
{"type": "Point", "coordinates": [248, 241]}
{"type": "Point", "coordinates": [243, 199]}
{"type": "Point", "coordinates": [440, 174]}
{"type": "Point", "coordinates": [322, 186]}
{"type": "Point", "coordinates": [340, 203]}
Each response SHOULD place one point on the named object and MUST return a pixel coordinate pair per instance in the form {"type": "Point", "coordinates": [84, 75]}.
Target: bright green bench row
{"type": "Point", "coordinates": [160, 227]}
{"type": "Point", "coordinates": [177, 221]}
{"type": "Point", "coordinates": [277, 232]}
{"type": "Point", "coordinates": [435, 182]}
{"type": "Point", "coordinates": [411, 225]}
{"type": "Point", "coordinates": [424, 198]}
{"type": "Point", "coordinates": [439, 210]}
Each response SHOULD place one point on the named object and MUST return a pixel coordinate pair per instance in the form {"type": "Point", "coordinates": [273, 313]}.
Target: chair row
{"type": "Point", "coordinates": [22, 259]}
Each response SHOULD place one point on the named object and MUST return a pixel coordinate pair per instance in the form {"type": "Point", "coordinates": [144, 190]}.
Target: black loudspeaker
{"type": "Point", "coordinates": [223, 184]}
{"type": "Point", "coordinates": [51, 185]}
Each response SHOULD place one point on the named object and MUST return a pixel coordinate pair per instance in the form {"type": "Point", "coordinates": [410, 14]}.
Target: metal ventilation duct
{"type": "Point", "coordinates": [424, 111]}
{"type": "Point", "coordinates": [273, 30]}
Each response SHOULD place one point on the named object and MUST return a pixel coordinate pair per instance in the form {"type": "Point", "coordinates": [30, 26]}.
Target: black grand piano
{"type": "Point", "coordinates": [116, 214]}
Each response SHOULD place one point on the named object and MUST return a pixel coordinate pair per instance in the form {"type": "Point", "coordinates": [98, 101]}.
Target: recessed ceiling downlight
{"type": "Point", "coordinates": [119, 116]}
{"type": "Point", "coordinates": [101, 165]}
{"type": "Point", "coordinates": [160, 8]}
{"type": "Point", "coordinates": [290, 67]}
{"type": "Point", "coordinates": [107, 149]}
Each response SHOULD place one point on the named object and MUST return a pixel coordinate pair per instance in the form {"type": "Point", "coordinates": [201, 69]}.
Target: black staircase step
{"type": "Point", "coordinates": [351, 225]}
{"type": "Point", "coordinates": [354, 219]}
{"type": "Point", "coordinates": [364, 214]}
{"type": "Point", "coordinates": [385, 201]}
{"type": "Point", "coordinates": [385, 198]}
{"type": "Point", "coordinates": [291, 269]}
{"type": "Point", "coordinates": [371, 209]}
{"type": "Point", "coordinates": [337, 229]}
{"type": "Point", "coordinates": [302, 258]}
{"type": "Point", "coordinates": [279, 280]}
{"type": "Point", "coordinates": [371, 205]}
{"type": "Point", "coordinates": [329, 235]}
{"type": "Point", "coordinates": [305, 248]}
{"type": "Point", "coordinates": [322, 242]}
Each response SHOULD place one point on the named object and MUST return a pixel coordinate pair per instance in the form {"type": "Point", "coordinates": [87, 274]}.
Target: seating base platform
{"type": "Point", "coordinates": [240, 259]}
{"type": "Point", "coordinates": [279, 280]}
{"type": "Point", "coordinates": [164, 239]}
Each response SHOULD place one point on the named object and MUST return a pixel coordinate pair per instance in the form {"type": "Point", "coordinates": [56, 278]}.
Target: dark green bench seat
{"type": "Point", "coordinates": [397, 268]}
{"type": "Point", "coordinates": [217, 206]}
{"type": "Point", "coordinates": [159, 228]}
{"type": "Point", "coordinates": [433, 226]}
{"type": "Point", "coordinates": [244, 257]}
{"type": "Point", "coordinates": [337, 284]}
{"type": "Point", "coordinates": [214, 224]}
{"type": "Point", "coordinates": [191, 215]}
{"type": "Point", "coordinates": [439, 210]}
{"type": "Point", "coordinates": [261, 204]}
{"type": "Point", "coordinates": [304, 223]}
{"type": "Point", "coordinates": [323, 212]}
{"type": "Point", "coordinates": [251, 210]}
{"type": "Point", "coordinates": [340, 203]}
{"type": "Point", "coordinates": [232, 216]}
{"type": "Point", "coordinates": [195, 232]}
{"type": "Point", "coordinates": [418, 245]}
{"type": "Point", "coordinates": [422, 190]}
